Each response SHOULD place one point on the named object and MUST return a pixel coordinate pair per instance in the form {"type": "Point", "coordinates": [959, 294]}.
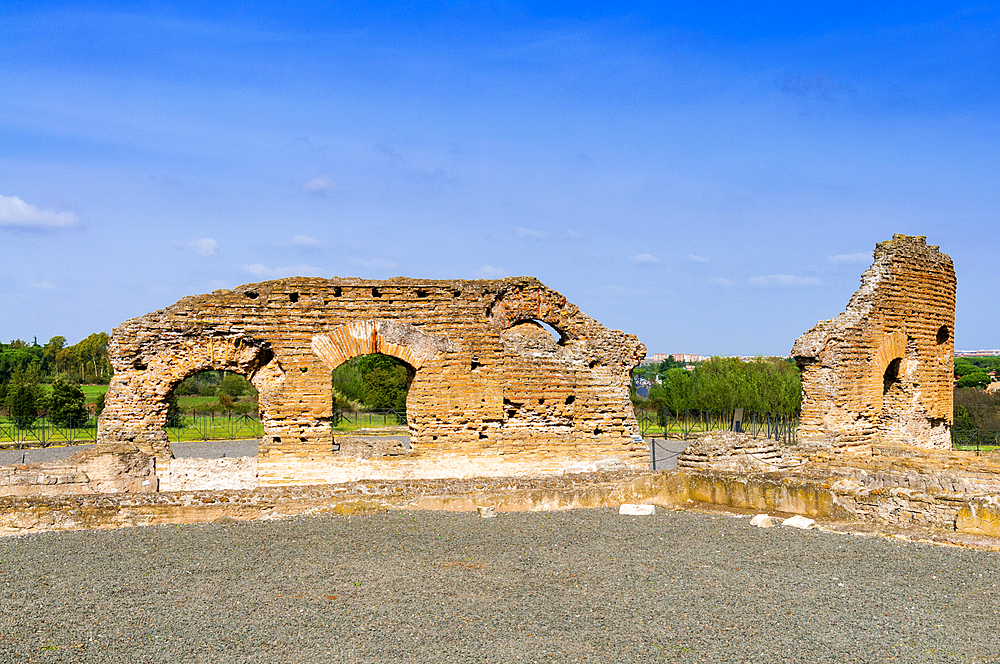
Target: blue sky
{"type": "Point", "coordinates": [712, 179]}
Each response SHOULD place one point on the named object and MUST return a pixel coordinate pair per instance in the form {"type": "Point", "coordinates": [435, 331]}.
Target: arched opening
{"type": "Point", "coordinates": [891, 376]}
{"type": "Point", "coordinates": [538, 329]}
{"type": "Point", "coordinates": [943, 334]}
{"type": "Point", "coordinates": [213, 406]}
{"type": "Point", "coordinates": [370, 391]}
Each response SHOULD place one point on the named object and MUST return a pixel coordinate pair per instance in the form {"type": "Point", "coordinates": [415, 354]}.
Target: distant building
{"type": "Point", "coordinates": [978, 353]}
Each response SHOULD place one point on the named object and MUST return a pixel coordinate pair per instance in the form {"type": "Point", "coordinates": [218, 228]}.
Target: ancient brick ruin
{"type": "Point", "coordinates": [492, 393]}
{"type": "Point", "coordinates": [882, 370]}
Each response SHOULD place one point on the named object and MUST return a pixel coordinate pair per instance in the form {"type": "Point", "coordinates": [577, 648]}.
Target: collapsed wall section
{"type": "Point", "coordinates": [489, 395]}
{"type": "Point", "coordinates": [883, 369]}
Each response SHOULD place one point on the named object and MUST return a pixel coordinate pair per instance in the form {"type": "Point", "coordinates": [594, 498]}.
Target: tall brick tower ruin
{"type": "Point", "coordinates": [882, 371]}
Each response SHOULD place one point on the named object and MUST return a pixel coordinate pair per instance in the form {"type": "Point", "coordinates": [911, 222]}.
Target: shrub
{"type": "Point", "coordinates": [23, 395]}
{"type": "Point", "coordinates": [66, 404]}
{"type": "Point", "coordinates": [234, 385]}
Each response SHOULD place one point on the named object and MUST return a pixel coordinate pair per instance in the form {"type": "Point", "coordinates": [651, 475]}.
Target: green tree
{"type": "Point", "coordinates": [377, 381]}
{"type": "Point", "coordinates": [23, 395]}
{"type": "Point", "coordinates": [385, 388]}
{"type": "Point", "coordinates": [50, 352]}
{"type": "Point", "coordinates": [66, 404]}
{"type": "Point", "coordinates": [674, 391]}
{"type": "Point", "coordinates": [347, 382]}
{"type": "Point", "coordinates": [977, 378]}
{"type": "Point", "coordinates": [234, 385]}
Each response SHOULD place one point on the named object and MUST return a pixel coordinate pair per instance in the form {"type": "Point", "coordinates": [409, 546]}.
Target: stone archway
{"type": "Point", "coordinates": [136, 404]}
{"type": "Point", "coordinates": [889, 364]}
{"type": "Point", "coordinates": [387, 337]}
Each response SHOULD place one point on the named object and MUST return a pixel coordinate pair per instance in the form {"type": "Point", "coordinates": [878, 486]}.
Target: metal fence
{"type": "Point", "coordinates": [43, 432]}
{"type": "Point", "coordinates": [208, 425]}
{"type": "Point", "coordinates": [975, 440]}
{"type": "Point", "coordinates": [349, 420]}
{"type": "Point", "coordinates": [683, 424]}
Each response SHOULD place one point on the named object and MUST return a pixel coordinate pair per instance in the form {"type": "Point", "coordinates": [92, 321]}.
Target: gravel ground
{"type": "Point", "coordinates": [210, 449]}
{"type": "Point", "coordinates": [583, 585]}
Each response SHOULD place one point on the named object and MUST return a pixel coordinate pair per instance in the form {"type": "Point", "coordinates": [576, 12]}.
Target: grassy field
{"type": "Point", "coordinates": [192, 403]}
{"type": "Point", "coordinates": [91, 391]}
{"type": "Point", "coordinates": [94, 391]}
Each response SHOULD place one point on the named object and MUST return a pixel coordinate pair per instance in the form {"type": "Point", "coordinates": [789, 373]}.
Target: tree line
{"type": "Point", "coordinates": [25, 367]}
{"type": "Point", "coordinates": [84, 363]}
{"type": "Point", "coordinates": [765, 384]}
{"type": "Point", "coordinates": [975, 371]}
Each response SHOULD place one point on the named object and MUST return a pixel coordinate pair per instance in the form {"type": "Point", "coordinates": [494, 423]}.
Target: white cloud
{"type": "Point", "coordinates": [490, 272]}
{"type": "Point", "coordinates": [860, 257]}
{"type": "Point", "coordinates": [374, 263]}
{"type": "Point", "coordinates": [573, 235]}
{"type": "Point", "coordinates": [265, 272]}
{"type": "Point", "coordinates": [15, 213]}
{"type": "Point", "coordinates": [695, 258]}
{"type": "Point", "coordinates": [645, 259]}
{"type": "Point", "coordinates": [527, 232]}
{"type": "Point", "coordinates": [42, 285]}
{"type": "Point", "coordinates": [320, 184]}
{"type": "Point", "coordinates": [722, 281]}
{"type": "Point", "coordinates": [206, 246]}
{"type": "Point", "coordinates": [305, 242]}
{"type": "Point", "coordinates": [784, 280]}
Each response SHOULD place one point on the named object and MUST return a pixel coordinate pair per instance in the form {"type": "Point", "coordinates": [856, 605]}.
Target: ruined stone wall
{"type": "Point", "coordinates": [882, 370]}
{"type": "Point", "coordinates": [492, 392]}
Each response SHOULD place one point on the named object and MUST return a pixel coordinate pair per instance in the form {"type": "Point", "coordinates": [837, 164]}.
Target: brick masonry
{"type": "Point", "coordinates": [882, 370]}
{"type": "Point", "coordinates": [492, 392]}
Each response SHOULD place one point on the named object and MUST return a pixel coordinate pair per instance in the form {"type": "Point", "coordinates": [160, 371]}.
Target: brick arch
{"type": "Point", "coordinates": [388, 337]}
{"type": "Point", "coordinates": [514, 306]}
{"type": "Point", "coordinates": [893, 347]}
{"type": "Point", "coordinates": [136, 402]}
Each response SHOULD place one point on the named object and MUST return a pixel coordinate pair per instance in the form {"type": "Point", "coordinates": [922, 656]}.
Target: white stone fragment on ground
{"type": "Point", "coordinates": [764, 521]}
{"type": "Point", "coordinates": [799, 521]}
{"type": "Point", "coordinates": [637, 510]}
{"type": "Point", "coordinates": [486, 512]}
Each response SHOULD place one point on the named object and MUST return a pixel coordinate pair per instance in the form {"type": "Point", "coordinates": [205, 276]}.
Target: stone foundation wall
{"type": "Point", "coordinates": [114, 470]}
{"type": "Point", "coordinates": [827, 499]}
{"type": "Point", "coordinates": [193, 474]}
{"type": "Point", "coordinates": [882, 370]}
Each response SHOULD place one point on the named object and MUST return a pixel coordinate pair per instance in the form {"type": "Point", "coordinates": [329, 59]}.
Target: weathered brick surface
{"type": "Point", "coordinates": [491, 394]}
{"type": "Point", "coordinates": [882, 370]}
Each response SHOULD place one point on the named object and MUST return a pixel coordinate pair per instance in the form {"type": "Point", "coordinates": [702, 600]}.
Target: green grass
{"type": "Point", "coordinates": [91, 391]}
{"type": "Point", "coordinates": [972, 448]}
{"type": "Point", "coordinates": [363, 420]}
{"type": "Point", "coordinates": [192, 403]}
